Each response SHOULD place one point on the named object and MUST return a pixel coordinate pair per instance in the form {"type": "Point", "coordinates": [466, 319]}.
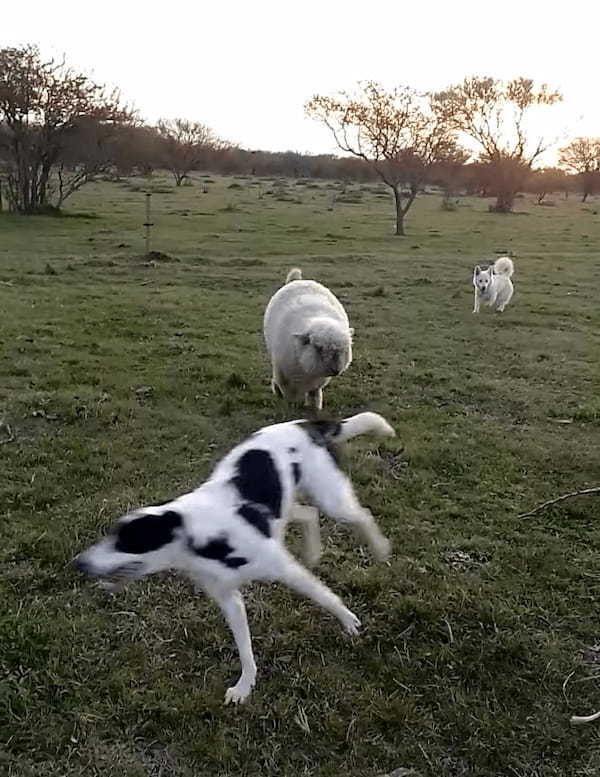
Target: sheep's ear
{"type": "Point", "coordinates": [303, 337]}
{"type": "Point", "coordinates": [351, 330]}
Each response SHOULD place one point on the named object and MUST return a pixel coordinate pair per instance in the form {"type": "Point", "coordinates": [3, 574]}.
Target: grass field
{"type": "Point", "coordinates": [124, 381]}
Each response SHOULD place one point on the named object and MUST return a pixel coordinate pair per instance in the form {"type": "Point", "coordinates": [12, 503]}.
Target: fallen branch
{"type": "Point", "coordinates": [537, 509]}
{"type": "Point", "coordinates": [576, 720]}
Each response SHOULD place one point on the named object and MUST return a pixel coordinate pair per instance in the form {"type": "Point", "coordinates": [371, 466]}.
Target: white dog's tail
{"type": "Point", "coordinates": [363, 423]}
{"type": "Point", "coordinates": [294, 274]}
{"type": "Point", "coordinates": [504, 266]}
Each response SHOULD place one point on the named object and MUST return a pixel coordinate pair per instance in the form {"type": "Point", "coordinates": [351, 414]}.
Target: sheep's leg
{"type": "Point", "coordinates": [275, 388]}
{"type": "Point", "coordinates": [278, 384]}
{"type": "Point", "coordinates": [314, 399]}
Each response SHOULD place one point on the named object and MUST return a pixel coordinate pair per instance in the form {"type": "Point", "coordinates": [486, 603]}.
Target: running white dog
{"type": "Point", "coordinates": [493, 286]}
{"type": "Point", "coordinates": [230, 530]}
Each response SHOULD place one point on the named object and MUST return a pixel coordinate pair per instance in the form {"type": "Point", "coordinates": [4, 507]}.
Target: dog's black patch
{"type": "Point", "coordinates": [257, 516]}
{"type": "Point", "coordinates": [322, 432]}
{"type": "Point", "coordinates": [257, 480]}
{"type": "Point", "coordinates": [219, 550]}
{"type": "Point", "coordinates": [296, 471]}
{"type": "Point", "coordinates": [148, 532]}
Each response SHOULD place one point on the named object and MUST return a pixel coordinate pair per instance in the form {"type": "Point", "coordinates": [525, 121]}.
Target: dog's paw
{"type": "Point", "coordinates": [237, 694]}
{"type": "Point", "coordinates": [351, 623]}
{"type": "Point", "coordinates": [382, 549]}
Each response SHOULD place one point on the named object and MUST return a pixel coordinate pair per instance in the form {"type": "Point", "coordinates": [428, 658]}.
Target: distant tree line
{"type": "Point", "coordinates": [59, 130]}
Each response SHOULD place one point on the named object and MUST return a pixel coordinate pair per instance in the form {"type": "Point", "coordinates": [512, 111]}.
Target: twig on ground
{"type": "Point", "coordinates": [449, 627]}
{"type": "Point", "coordinates": [576, 720]}
{"type": "Point", "coordinates": [594, 490]}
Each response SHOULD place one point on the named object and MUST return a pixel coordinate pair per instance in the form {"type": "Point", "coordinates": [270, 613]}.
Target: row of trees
{"type": "Point", "coordinates": [404, 135]}
{"type": "Point", "coordinates": [58, 129]}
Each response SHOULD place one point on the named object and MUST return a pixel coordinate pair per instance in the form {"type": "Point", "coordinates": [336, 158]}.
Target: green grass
{"type": "Point", "coordinates": [124, 382]}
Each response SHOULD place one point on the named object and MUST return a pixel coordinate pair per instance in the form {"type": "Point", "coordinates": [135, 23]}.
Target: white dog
{"type": "Point", "coordinates": [230, 530]}
{"type": "Point", "coordinates": [493, 286]}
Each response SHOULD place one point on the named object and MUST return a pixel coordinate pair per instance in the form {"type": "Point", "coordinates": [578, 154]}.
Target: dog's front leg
{"type": "Point", "coordinates": [476, 303]}
{"type": "Point", "coordinates": [285, 568]}
{"type": "Point", "coordinates": [234, 610]}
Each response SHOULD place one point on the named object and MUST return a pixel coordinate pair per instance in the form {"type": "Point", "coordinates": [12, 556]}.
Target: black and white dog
{"type": "Point", "coordinates": [230, 530]}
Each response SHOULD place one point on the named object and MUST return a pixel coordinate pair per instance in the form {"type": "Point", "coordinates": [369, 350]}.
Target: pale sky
{"type": "Point", "coordinates": [246, 68]}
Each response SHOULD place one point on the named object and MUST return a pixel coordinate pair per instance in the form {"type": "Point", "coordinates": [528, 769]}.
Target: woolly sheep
{"type": "Point", "coordinates": [308, 338]}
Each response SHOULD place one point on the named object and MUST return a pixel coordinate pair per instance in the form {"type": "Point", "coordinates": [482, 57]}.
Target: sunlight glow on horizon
{"type": "Point", "coordinates": [246, 70]}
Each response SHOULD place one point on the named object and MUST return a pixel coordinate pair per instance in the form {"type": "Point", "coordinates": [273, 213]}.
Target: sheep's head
{"type": "Point", "coordinates": [325, 348]}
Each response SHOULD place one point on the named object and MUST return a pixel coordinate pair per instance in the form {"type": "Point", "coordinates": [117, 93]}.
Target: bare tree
{"type": "Point", "coordinates": [546, 181]}
{"type": "Point", "coordinates": [495, 115]}
{"type": "Point", "coordinates": [395, 132]}
{"type": "Point", "coordinates": [42, 106]}
{"type": "Point", "coordinates": [185, 144]}
{"type": "Point", "coordinates": [582, 157]}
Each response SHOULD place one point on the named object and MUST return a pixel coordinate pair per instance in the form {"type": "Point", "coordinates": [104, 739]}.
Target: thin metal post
{"type": "Point", "coordinates": [148, 224]}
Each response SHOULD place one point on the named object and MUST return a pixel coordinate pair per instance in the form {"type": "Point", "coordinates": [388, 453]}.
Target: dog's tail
{"type": "Point", "coordinates": [363, 423]}
{"type": "Point", "coordinates": [294, 274]}
{"type": "Point", "coordinates": [504, 266]}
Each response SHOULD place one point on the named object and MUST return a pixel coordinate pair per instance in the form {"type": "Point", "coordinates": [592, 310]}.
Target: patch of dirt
{"type": "Point", "coordinates": [158, 257]}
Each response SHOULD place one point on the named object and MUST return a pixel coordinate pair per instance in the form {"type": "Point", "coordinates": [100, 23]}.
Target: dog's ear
{"type": "Point", "coordinates": [303, 337]}
{"type": "Point", "coordinates": [351, 330]}
{"type": "Point", "coordinates": [477, 269]}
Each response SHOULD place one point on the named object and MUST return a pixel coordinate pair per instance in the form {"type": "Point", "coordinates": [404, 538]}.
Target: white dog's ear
{"type": "Point", "coordinates": [477, 269]}
{"type": "Point", "coordinates": [351, 330]}
{"type": "Point", "coordinates": [303, 337]}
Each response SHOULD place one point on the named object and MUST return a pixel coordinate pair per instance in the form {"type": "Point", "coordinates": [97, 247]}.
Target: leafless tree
{"type": "Point", "coordinates": [582, 157]}
{"type": "Point", "coordinates": [185, 145]}
{"type": "Point", "coordinates": [395, 132]}
{"type": "Point", "coordinates": [495, 115]}
{"type": "Point", "coordinates": [546, 181]}
{"type": "Point", "coordinates": [43, 105]}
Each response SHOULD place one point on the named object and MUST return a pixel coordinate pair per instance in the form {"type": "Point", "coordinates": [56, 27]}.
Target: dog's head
{"type": "Point", "coordinates": [482, 279]}
{"type": "Point", "coordinates": [140, 543]}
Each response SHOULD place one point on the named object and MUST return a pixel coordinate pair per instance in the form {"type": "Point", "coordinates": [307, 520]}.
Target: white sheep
{"type": "Point", "coordinates": [308, 338]}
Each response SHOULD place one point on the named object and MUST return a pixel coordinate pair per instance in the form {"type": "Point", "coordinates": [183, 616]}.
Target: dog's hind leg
{"type": "Point", "coordinates": [234, 610]}
{"type": "Point", "coordinates": [285, 568]}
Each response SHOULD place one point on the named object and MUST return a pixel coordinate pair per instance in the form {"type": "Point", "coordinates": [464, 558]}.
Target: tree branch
{"type": "Point", "coordinates": [594, 490]}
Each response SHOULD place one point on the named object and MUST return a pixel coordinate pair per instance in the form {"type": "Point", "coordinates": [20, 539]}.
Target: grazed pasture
{"type": "Point", "coordinates": [123, 382]}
